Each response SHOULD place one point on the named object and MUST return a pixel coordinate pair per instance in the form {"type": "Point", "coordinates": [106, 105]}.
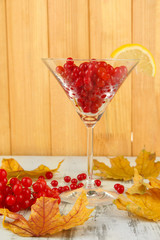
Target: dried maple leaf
{"type": "Point", "coordinates": [154, 182]}
{"type": "Point", "coordinates": [146, 205]}
{"type": "Point", "coordinates": [45, 218]}
{"type": "Point", "coordinates": [120, 169]}
{"type": "Point", "coordinates": [14, 169]}
{"type": "Point", "coordinates": [139, 185]}
{"type": "Point", "coordinates": [146, 165]}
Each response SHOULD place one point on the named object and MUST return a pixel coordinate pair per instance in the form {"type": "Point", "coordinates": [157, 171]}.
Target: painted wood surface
{"type": "Point", "coordinates": [36, 118]}
{"type": "Point", "coordinates": [107, 222]}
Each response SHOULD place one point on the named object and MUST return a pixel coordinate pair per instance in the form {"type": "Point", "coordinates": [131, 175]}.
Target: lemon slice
{"type": "Point", "coordinates": [137, 51]}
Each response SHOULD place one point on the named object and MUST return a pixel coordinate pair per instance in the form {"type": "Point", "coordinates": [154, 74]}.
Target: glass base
{"type": "Point", "coordinates": [95, 196]}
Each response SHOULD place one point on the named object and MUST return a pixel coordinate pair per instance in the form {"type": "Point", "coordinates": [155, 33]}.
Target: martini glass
{"type": "Point", "coordinates": [90, 84]}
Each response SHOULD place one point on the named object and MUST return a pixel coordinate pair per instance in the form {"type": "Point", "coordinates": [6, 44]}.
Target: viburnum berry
{"type": "Point", "coordinates": [2, 186]}
{"type": "Point", "coordinates": [120, 189]}
{"type": "Point", "coordinates": [26, 193]}
{"type": "Point", "coordinates": [43, 182]}
{"type": "Point", "coordinates": [41, 177]}
{"type": "Point", "coordinates": [41, 194]}
{"type": "Point", "coordinates": [98, 182]}
{"type": "Point", "coordinates": [84, 175]}
{"type": "Point", "coordinates": [74, 181]}
{"type": "Point", "coordinates": [49, 175]}
{"type": "Point", "coordinates": [17, 189]}
{"type": "Point", "coordinates": [4, 180]}
{"type": "Point", "coordinates": [80, 177]}
{"type": "Point", "coordinates": [3, 174]}
{"type": "Point", "coordinates": [1, 197]}
{"type": "Point", "coordinates": [67, 179]}
{"type": "Point", "coordinates": [73, 186]}
{"type": "Point", "coordinates": [10, 200]}
{"type": "Point", "coordinates": [15, 208]}
{"type": "Point", "coordinates": [14, 181]}
{"type": "Point", "coordinates": [25, 204]}
{"type": "Point", "coordinates": [80, 185]}
{"type": "Point", "coordinates": [60, 189]}
{"type": "Point", "coordinates": [54, 183]}
{"type": "Point", "coordinates": [66, 188]}
{"type": "Point", "coordinates": [19, 198]}
{"type": "Point", "coordinates": [37, 187]}
{"type": "Point", "coordinates": [116, 186]}
{"type": "Point", "coordinates": [26, 181]}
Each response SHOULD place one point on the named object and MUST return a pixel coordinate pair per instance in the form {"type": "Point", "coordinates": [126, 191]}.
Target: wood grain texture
{"type": "Point", "coordinates": [146, 90]}
{"type": "Point", "coordinates": [29, 80]}
{"type": "Point", "coordinates": [110, 27]}
{"type": "Point", "coordinates": [4, 94]}
{"type": "Point", "coordinates": [68, 36]}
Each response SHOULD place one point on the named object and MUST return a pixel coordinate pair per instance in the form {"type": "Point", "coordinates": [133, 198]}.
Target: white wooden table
{"type": "Point", "coordinates": [107, 222]}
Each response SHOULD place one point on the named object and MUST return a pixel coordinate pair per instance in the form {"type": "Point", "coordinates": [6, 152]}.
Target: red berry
{"type": "Point", "coordinates": [41, 194]}
{"type": "Point", "coordinates": [54, 183]}
{"type": "Point", "coordinates": [2, 186]}
{"type": "Point", "coordinates": [32, 201]}
{"type": "Point", "coordinates": [120, 189]}
{"type": "Point", "coordinates": [49, 175]}
{"type": "Point", "coordinates": [3, 174]}
{"type": "Point", "coordinates": [67, 179]}
{"type": "Point", "coordinates": [15, 208]}
{"type": "Point", "coordinates": [37, 187]}
{"type": "Point", "coordinates": [7, 190]}
{"type": "Point", "coordinates": [26, 193]}
{"type": "Point", "coordinates": [66, 188]}
{"type": "Point", "coordinates": [26, 181]}
{"type": "Point", "coordinates": [116, 186]}
{"type": "Point", "coordinates": [74, 181]}
{"type": "Point", "coordinates": [5, 180]}
{"type": "Point", "coordinates": [73, 186]}
{"type": "Point", "coordinates": [80, 177]}
{"type": "Point", "coordinates": [41, 177]}
{"type": "Point", "coordinates": [84, 175]}
{"type": "Point", "coordinates": [1, 197]}
{"type": "Point", "coordinates": [60, 189]}
{"type": "Point", "coordinates": [10, 200]}
{"type": "Point", "coordinates": [26, 204]}
{"type": "Point", "coordinates": [43, 182]}
{"type": "Point", "coordinates": [55, 189]}
{"type": "Point", "coordinates": [19, 198]}
{"type": "Point", "coordinates": [17, 189]}
{"type": "Point", "coordinates": [59, 69]}
{"type": "Point", "coordinates": [97, 182]}
{"type": "Point", "coordinates": [14, 181]}
{"type": "Point", "coordinates": [80, 185]}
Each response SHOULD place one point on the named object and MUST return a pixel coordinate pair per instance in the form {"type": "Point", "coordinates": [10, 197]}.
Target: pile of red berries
{"type": "Point", "coordinates": [17, 195]}
{"type": "Point", "coordinates": [73, 183]}
{"type": "Point", "coordinates": [90, 82]}
{"type": "Point", "coordinates": [119, 188]}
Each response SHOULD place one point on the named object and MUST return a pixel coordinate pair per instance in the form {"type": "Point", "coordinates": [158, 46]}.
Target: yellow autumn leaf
{"type": "Point", "coordinates": [146, 165]}
{"type": "Point", "coordinates": [14, 169]}
{"type": "Point", "coordinates": [139, 185]}
{"type": "Point", "coordinates": [154, 182]}
{"type": "Point", "coordinates": [120, 169]}
{"type": "Point", "coordinates": [45, 218]}
{"type": "Point", "coordinates": [145, 205]}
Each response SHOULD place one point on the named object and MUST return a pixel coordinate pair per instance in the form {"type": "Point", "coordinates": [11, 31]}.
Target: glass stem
{"type": "Point", "coordinates": [90, 182]}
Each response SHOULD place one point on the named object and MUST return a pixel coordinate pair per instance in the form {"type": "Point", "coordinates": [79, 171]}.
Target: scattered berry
{"type": "Point", "coordinates": [120, 189]}
{"type": "Point", "coordinates": [74, 181]}
{"type": "Point", "coordinates": [49, 175]}
{"type": "Point", "coordinates": [80, 177]}
{"type": "Point", "coordinates": [54, 183]}
{"type": "Point", "coordinates": [116, 186]}
{"type": "Point", "coordinates": [41, 177]}
{"type": "Point", "coordinates": [73, 186]}
{"type": "Point", "coordinates": [97, 182]}
{"type": "Point", "coordinates": [67, 179]}
{"type": "Point", "coordinates": [80, 185]}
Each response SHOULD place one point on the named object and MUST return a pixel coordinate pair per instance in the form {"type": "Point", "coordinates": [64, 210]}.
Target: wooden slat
{"type": "Point", "coordinates": [146, 90]}
{"type": "Point", "coordinates": [110, 27]}
{"type": "Point", "coordinates": [29, 80]}
{"type": "Point", "coordinates": [68, 36]}
{"type": "Point", "coordinates": [4, 102]}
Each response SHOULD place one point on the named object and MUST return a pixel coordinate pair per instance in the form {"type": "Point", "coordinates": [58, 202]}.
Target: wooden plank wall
{"type": "Point", "coordinates": [36, 118]}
